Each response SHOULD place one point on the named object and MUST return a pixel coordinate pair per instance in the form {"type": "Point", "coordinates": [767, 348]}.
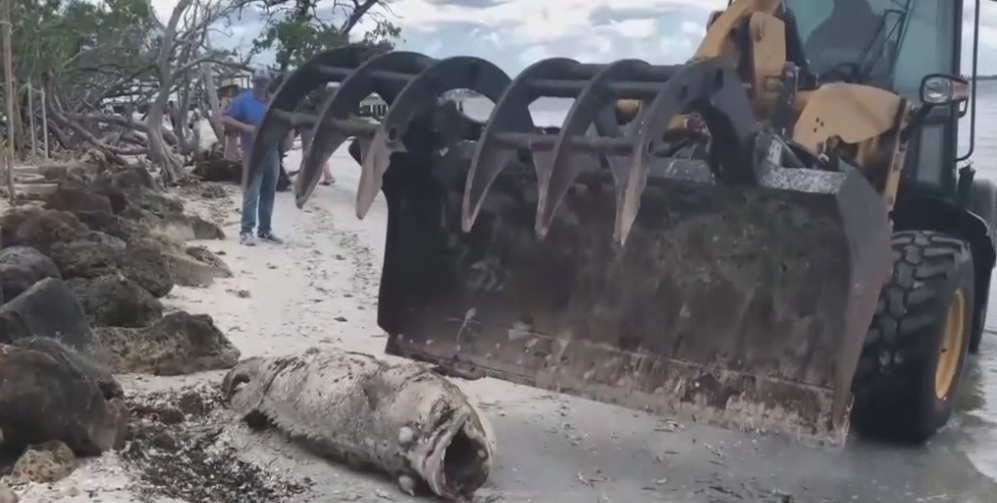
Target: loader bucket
{"type": "Point", "coordinates": [594, 261]}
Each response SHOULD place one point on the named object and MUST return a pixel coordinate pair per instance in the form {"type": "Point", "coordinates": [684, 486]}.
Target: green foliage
{"type": "Point", "coordinates": [52, 37]}
{"type": "Point", "coordinates": [383, 36]}
{"type": "Point", "coordinates": [81, 47]}
{"type": "Point", "coordinates": [296, 33]}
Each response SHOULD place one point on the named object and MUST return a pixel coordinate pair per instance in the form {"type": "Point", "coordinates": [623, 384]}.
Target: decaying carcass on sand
{"type": "Point", "coordinates": [403, 419]}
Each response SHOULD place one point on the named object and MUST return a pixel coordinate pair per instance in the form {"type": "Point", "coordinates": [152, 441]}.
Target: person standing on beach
{"type": "Point", "coordinates": [245, 114]}
{"type": "Point", "coordinates": [230, 139]}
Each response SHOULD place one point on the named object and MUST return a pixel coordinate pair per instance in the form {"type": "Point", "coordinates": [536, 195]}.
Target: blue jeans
{"type": "Point", "coordinates": [258, 198]}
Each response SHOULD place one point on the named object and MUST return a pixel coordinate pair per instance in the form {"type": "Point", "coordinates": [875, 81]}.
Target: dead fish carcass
{"type": "Point", "coordinates": [403, 419]}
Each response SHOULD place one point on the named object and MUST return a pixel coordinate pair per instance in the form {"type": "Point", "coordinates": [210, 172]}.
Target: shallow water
{"type": "Point", "coordinates": [979, 417]}
{"type": "Point", "coordinates": [959, 465]}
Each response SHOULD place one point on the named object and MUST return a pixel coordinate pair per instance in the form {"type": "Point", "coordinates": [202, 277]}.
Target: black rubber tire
{"type": "Point", "coordinates": [894, 384]}
{"type": "Point", "coordinates": [983, 202]}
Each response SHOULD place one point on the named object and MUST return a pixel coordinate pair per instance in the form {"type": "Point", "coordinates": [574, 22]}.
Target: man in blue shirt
{"type": "Point", "coordinates": [244, 115]}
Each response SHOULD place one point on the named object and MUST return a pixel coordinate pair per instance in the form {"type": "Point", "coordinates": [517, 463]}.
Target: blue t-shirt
{"type": "Point", "coordinates": [248, 109]}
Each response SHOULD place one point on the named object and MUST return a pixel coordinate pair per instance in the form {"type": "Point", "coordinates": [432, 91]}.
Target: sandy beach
{"type": "Point", "coordinates": [320, 290]}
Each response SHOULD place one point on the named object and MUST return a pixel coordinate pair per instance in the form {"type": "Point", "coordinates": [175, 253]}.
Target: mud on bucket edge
{"type": "Point", "coordinates": [745, 308]}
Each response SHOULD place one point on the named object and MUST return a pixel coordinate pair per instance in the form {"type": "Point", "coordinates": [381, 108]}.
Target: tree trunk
{"type": "Point", "coordinates": [159, 149]}
{"type": "Point", "coordinates": [161, 154]}
{"type": "Point", "coordinates": [214, 111]}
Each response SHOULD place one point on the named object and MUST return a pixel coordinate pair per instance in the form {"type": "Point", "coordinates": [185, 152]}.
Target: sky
{"type": "Point", "coordinates": [515, 33]}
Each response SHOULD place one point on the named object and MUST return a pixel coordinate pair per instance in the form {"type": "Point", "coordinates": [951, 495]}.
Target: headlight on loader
{"type": "Point", "coordinates": [941, 89]}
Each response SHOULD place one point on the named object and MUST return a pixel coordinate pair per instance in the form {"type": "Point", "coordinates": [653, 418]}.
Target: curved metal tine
{"type": "Point", "coordinates": [565, 164]}
{"type": "Point", "coordinates": [291, 92]}
{"type": "Point", "coordinates": [511, 114]}
{"type": "Point", "coordinates": [694, 85]}
{"type": "Point", "coordinates": [461, 72]}
{"type": "Point", "coordinates": [328, 135]}
{"type": "Point", "coordinates": [619, 165]}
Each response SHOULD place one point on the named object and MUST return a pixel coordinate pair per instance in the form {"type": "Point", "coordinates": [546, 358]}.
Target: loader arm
{"type": "Point", "coordinates": [863, 124]}
{"type": "Point", "coordinates": [857, 122]}
{"type": "Point", "coordinates": [751, 39]}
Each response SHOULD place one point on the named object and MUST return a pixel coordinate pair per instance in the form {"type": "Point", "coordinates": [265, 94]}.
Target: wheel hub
{"type": "Point", "coordinates": [948, 353]}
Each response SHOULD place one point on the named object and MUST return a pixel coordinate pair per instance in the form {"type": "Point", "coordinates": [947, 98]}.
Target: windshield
{"type": "Point", "coordinates": [853, 40]}
{"type": "Point", "coordinates": [926, 45]}
{"type": "Point", "coordinates": [896, 41]}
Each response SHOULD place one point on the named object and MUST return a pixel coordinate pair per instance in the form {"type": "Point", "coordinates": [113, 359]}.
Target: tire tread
{"type": "Point", "coordinates": [904, 331]}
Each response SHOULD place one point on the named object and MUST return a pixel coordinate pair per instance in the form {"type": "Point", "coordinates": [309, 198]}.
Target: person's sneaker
{"type": "Point", "coordinates": [246, 238]}
{"type": "Point", "coordinates": [270, 238]}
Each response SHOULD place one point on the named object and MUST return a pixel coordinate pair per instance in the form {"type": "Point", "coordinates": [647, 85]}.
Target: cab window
{"type": "Point", "coordinates": [925, 39]}
{"type": "Point", "coordinates": [926, 45]}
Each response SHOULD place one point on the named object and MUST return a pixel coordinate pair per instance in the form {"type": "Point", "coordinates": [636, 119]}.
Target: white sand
{"type": "Point", "coordinates": [328, 269]}
{"type": "Point", "coordinates": [552, 448]}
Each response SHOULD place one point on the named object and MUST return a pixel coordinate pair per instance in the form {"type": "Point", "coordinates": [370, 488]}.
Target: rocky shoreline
{"type": "Point", "coordinates": [84, 270]}
{"type": "Point", "coordinates": [100, 371]}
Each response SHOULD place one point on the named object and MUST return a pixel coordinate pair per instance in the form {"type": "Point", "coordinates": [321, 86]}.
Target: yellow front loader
{"type": "Point", "coordinates": [710, 240]}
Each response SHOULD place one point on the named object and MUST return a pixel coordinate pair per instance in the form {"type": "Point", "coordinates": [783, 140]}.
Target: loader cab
{"type": "Point", "coordinates": [919, 39]}
{"type": "Point", "coordinates": [893, 44]}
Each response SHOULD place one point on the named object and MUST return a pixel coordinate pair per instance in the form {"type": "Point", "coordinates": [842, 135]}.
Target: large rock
{"type": "Point", "coordinates": [219, 170]}
{"type": "Point", "coordinates": [133, 180]}
{"type": "Point", "coordinates": [103, 238]}
{"type": "Point", "coordinates": [116, 301]}
{"type": "Point", "coordinates": [73, 199]}
{"type": "Point", "coordinates": [45, 463]}
{"type": "Point", "coordinates": [157, 204]}
{"type": "Point", "coordinates": [50, 309]}
{"type": "Point", "coordinates": [21, 267]}
{"type": "Point", "coordinates": [39, 228]}
{"type": "Point", "coordinates": [83, 259]}
{"type": "Point", "coordinates": [148, 266]}
{"type": "Point", "coordinates": [210, 259]}
{"type": "Point", "coordinates": [187, 227]}
{"type": "Point", "coordinates": [179, 344]}
{"type": "Point", "coordinates": [145, 264]}
{"type": "Point", "coordinates": [127, 230]}
{"type": "Point", "coordinates": [66, 174]}
{"type": "Point", "coordinates": [118, 184]}
{"type": "Point", "coordinates": [49, 392]}
{"type": "Point", "coordinates": [95, 364]}
{"type": "Point", "coordinates": [125, 188]}
{"type": "Point", "coordinates": [176, 225]}
{"type": "Point", "coordinates": [84, 190]}
{"type": "Point", "coordinates": [128, 204]}
{"type": "Point", "coordinates": [197, 267]}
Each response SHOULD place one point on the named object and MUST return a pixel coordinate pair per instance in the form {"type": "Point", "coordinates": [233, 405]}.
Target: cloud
{"type": "Point", "coordinates": [515, 33]}
{"type": "Point", "coordinates": [473, 4]}
{"type": "Point", "coordinates": [608, 14]}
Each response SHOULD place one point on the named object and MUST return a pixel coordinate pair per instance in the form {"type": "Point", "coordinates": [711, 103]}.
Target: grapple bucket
{"type": "Point", "coordinates": [739, 294]}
